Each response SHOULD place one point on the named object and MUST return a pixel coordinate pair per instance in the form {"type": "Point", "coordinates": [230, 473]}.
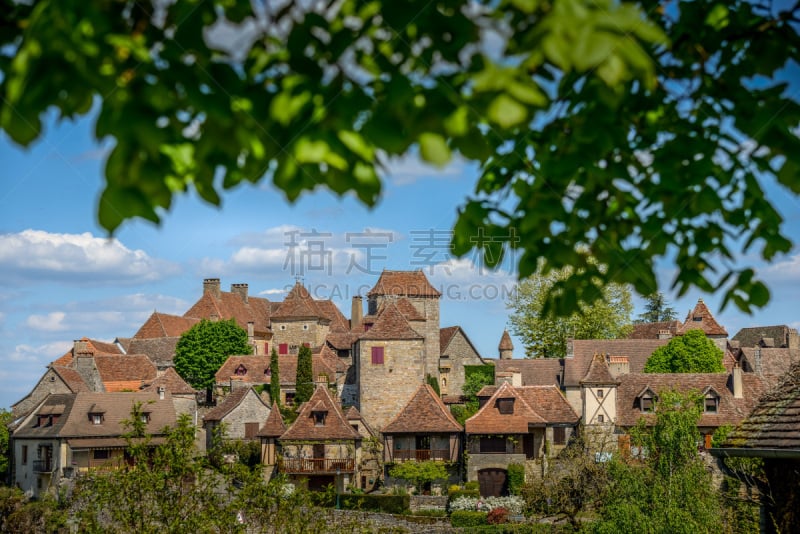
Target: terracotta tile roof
{"type": "Point", "coordinates": [274, 427]}
{"type": "Point", "coordinates": [750, 337]}
{"type": "Point", "coordinates": [425, 412]}
{"type": "Point", "coordinates": [231, 305]}
{"type": "Point", "coordinates": [64, 360]}
{"type": "Point", "coordinates": [651, 330]}
{"type": "Point", "coordinates": [330, 311]}
{"type": "Point", "coordinates": [101, 347]}
{"type": "Point", "coordinates": [598, 372]}
{"type": "Point", "coordinates": [391, 324]}
{"type": "Point", "coordinates": [115, 407]}
{"type": "Point", "coordinates": [335, 427]}
{"type": "Point", "coordinates": [126, 368]}
{"type": "Point", "coordinates": [404, 283]}
{"type": "Point", "coordinates": [165, 325]}
{"type": "Point", "coordinates": [731, 411]}
{"type": "Point", "coordinates": [330, 359]}
{"type": "Point", "coordinates": [122, 385]}
{"type": "Point", "coordinates": [775, 421]}
{"type": "Point", "coordinates": [489, 420]}
{"type": "Point", "coordinates": [171, 381]}
{"type": "Point", "coordinates": [342, 340]}
{"type": "Point", "coordinates": [230, 403]}
{"type": "Point", "coordinates": [125, 343]}
{"type": "Point", "coordinates": [453, 399]}
{"type": "Point", "coordinates": [352, 414]}
{"type": "Point", "coordinates": [71, 378]}
{"type": "Point", "coordinates": [637, 351]}
{"type": "Point", "coordinates": [160, 350]}
{"type": "Point", "coordinates": [549, 402]}
{"type": "Point", "coordinates": [535, 372]}
{"type": "Point", "coordinates": [445, 336]}
{"type": "Point", "coordinates": [505, 342]}
{"type": "Point", "coordinates": [256, 367]}
{"type": "Point", "coordinates": [408, 310]}
{"type": "Point", "coordinates": [701, 318]}
{"type": "Point", "coordinates": [298, 304]}
{"type": "Point", "coordinates": [774, 363]}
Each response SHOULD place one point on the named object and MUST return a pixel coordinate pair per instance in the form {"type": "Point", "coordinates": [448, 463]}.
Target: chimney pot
{"type": "Point", "coordinates": [241, 290]}
{"type": "Point", "coordinates": [211, 285]}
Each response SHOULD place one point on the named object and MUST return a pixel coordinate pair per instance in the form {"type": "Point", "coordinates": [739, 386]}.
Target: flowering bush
{"type": "Point", "coordinates": [513, 504]}
{"type": "Point", "coordinates": [497, 516]}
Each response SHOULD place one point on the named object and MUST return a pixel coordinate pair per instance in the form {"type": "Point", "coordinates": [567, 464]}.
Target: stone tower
{"type": "Point", "coordinates": [506, 347]}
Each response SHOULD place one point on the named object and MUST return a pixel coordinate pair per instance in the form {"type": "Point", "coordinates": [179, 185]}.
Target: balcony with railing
{"type": "Point", "coordinates": [43, 466]}
{"type": "Point", "coordinates": [317, 465]}
{"type": "Point", "coordinates": [421, 455]}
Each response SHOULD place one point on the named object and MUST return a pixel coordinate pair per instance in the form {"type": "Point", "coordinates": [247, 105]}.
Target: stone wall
{"type": "Point", "coordinates": [486, 461]}
{"type": "Point", "coordinates": [295, 333]}
{"type": "Point", "coordinates": [385, 389]}
{"type": "Point", "coordinates": [459, 353]}
{"type": "Point", "coordinates": [250, 410]}
{"type": "Point", "coordinates": [49, 383]}
{"type": "Point", "coordinates": [427, 502]}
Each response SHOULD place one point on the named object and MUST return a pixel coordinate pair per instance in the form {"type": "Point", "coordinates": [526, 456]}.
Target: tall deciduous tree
{"type": "Point", "coordinates": [631, 128]}
{"type": "Point", "coordinates": [5, 419]}
{"type": "Point", "coordinates": [274, 377]}
{"type": "Point", "coordinates": [657, 309]}
{"type": "Point", "coordinates": [304, 381]}
{"type": "Point", "coordinates": [203, 349]}
{"type": "Point", "coordinates": [545, 335]}
{"type": "Point", "coordinates": [692, 352]}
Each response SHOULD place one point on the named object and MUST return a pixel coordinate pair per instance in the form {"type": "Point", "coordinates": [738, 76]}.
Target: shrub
{"type": "Point", "coordinates": [463, 518]}
{"type": "Point", "coordinates": [390, 504]}
{"type": "Point", "coordinates": [516, 478]}
{"type": "Point", "coordinates": [463, 493]}
{"type": "Point", "coordinates": [472, 485]}
{"type": "Point", "coordinates": [497, 516]}
{"type": "Point", "coordinates": [453, 488]}
{"type": "Point", "coordinates": [514, 505]}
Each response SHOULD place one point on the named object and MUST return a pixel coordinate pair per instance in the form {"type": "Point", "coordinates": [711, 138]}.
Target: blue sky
{"type": "Point", "coordinates": [63, 279]}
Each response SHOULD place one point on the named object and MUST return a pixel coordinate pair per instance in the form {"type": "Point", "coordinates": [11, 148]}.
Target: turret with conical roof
{"type": "Point", "coordinates": [506, 347]}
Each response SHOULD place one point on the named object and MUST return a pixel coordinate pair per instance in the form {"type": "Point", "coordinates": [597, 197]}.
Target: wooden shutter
{"type": "Point", "coordinates": [377, 355]}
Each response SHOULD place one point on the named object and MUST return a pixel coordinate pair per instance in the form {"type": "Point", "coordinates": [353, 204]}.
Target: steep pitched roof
{"type": "Point", "coordinates": [408, 310]}
{"type": "Point", "coordinates": [775, 421]}
{"type": "Point", "coordinates": [445, 336]}
{"type": "Point", "coordinates": [637, 351]}
{"type": "Point", "coordinates": [330, 359]}
{"type": "Point", "coordinates": [731, 410]}
{"type": "Point", "coordinates": [771, 363]}
{"type": "Point", "coordinates": [298, 304]}
{"type": "Point", "coordinates": [489, 420]}
{"type": "Point", "coordinates": [73, 380]}
{"type": "Point", "coordinates": [535, 372]}
{"type": "Point", "coordinates": [651, 330]}
{"type": "Point", "coordinates": [74, 420]}
{"type": "Point", "coordinates": [391, 324]}
{"type": "Point", "coordinates": [165, 325]}
{"type": "Point", "coordinates": [335, 427]}
{"type": "Point", "coordinates": [750, 337]}
{"type": "Point", "coordinates": [598, 372]}
{"type": "Point", "coordinates": [124, 372]}
{"type": "Point", "coordinates": [701, 318]}
{"type": "Point", "coordinates": [274, 426]}
{"type": "Point", "coordinates": [230, 305]}
{"type": "Point", "coordinates": [230, 403]}
{"type": "Point", "coordinates": [171, 381]}
{"type": "Point", "coordinates": [160, 350]}
{"type": "Point", "coordinates": [549, 402]}
{"type": "Point", "coordinates": [425, 412]}
{"type": "Point", "coordinates": [505, 342]}
{"type": "Point", "coordinates": [403, 283]}
{"type": "Point", "coordinates": [93, 346]}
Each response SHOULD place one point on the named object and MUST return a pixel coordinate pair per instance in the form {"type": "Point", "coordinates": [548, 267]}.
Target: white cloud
{"type": "Point", "coordinates": [51, 322]}
{"type": "Point", "coordinates": [273, 291]}
{"type": "Point", "coordinates": [410, 169]}
{"type": "Point", "coordinates": [44, 353]}
{"type": "Point", "coordinates": [32, 254]}
{"type": "Point", "coordinates": [785, 270]}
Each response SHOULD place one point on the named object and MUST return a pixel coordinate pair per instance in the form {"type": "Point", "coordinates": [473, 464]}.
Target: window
{"type": "Point", "coordinates": [505, 406]}
{"type": "Point", "coordinates": [355, 427]}
{"type": "Point", "coordinates": [43, 420]}
{"type": "Point", "coordinates": [283, 327]}
{"type": "Point", "coordinates": [319, 418]}
{"type": "Point", "coordinates": [96, 418]}
{"type": "Point", "coordinates": [305, 327]}
{"type": "Point", "coordinates": [101, 454]}
{"type": "Point", "coordinates": [559, 435]}
{"type": "Point", "coordinates": [493, 445]}
{"type": "Point", "coordinates": [250, 430]}
{"type": "Point", "coordinates": [599, 393]}
{"type": "Point", "coordinates": [241, 370]}
{"type": "Point", "coordinates": [697, 319]}
{"type": "Point", "coordinates": [290, 398]}
{"type": "Point", "coordinates": [646, 404]}
{"type": "Point", "coordinates": [24, 455]}
{"type": "Point", "coordinates": [601, 419]}
{"type": "Point", "coordinates": [377, 355]}
{"type": "Point", "coordinates": [283, 348]}
{"type": "Point", "coordinates": [145, 417]}
{"type": "Point", "coordinates": [711, 403]}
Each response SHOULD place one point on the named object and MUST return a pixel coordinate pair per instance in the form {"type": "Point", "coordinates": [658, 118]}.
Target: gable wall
{"type": "Point", "coordinates": [49, 383]}
{"type": "Point", "coordinates": [460, 353]}
{"type": "Point", "coordinates": [295, 335]}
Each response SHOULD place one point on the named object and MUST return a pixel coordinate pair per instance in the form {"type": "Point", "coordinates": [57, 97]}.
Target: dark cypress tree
{"type": "Point", "coordinates": [304, 383]}
{"type": "Point", "coordinates": [275, 378]}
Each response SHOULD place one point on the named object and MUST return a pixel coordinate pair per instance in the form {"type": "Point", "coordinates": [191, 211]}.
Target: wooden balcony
{"type": "Point", "coordinates": [421, 455]}
{"type": "Point", "coordinates": [317, 465]}
{"type": "Point", "coordinates": [43, 466]}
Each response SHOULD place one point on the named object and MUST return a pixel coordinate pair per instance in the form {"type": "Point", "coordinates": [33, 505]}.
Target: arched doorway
{"type": "Point", "coordinates": [493, 482]}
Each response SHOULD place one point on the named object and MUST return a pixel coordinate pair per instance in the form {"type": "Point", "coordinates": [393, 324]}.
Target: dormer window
{"type": "Point", "coordinates": [96, 418]}
{"type": "Point", "coordinates": [710, 401]}
{"type": "Point", "coordinates": [505, 406]}
{"type": "Point", "coordinates": [697, 319]}
{"type": "Point", "coordinates": [241, 370]}
{"type": "Point", "coordinates": [319, 417]}
{"type": "Point", "coordinates": [145, 417]}
{"type": "Point", "coordinates": [647, 400]}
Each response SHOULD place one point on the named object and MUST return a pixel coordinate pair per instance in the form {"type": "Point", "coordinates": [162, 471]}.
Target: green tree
{"type": "Point", "coordinates": [692, 352]}
{"type": "Point", "coordinates": [419, 474]}
{"type": "Point", "coordinates": [203, 349]}
{"type": "Point", "coordinates": [275, 377]}
{"type": "Point", "coordinates": [304, 380]}
{"type": "Point", "coordinates": [545, 335]}
{"type": "Point", "coordinates": [671, 490]}
{"type": "Point", "coordinates": [432, 382]}
{"type": "Point", "coordinates": [475, 378]}
{"type": "Point", "coordinates": [6, 418]}
{"type": "Point", "coordinates": [631, 129]}
{"type": "Point", "coordinates": [656, 309]}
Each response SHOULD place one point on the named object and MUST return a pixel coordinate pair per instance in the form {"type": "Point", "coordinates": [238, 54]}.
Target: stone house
{"type": "Point", "coordinates": [524, 425]}
{"type": "Point", "coordinates": [241, 413]}
{"type": "Point", "coordinates": [69, 434]}
{"type": "Point", "coordinates": [56, 379]}
{"type": "Point", "coordinates": [321, 448]}
{"type": "Point", "coordinates": [184, 396]}
{"type": "Point", "coordinates": [455, 351]}
{"type": "Point", "coordinates": [772, 432]}
{"type": "Point", "coordinates": [370, 466]}
{"type": "Point", "coordinates": [424, 430]}
{"type": "Point", "coordinates": [272, 429]}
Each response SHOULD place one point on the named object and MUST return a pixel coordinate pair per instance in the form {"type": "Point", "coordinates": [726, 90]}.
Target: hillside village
{"type": "Point", "coordinates": [373, 404]}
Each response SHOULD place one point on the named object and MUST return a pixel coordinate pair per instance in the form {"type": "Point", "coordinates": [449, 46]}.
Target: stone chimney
{"type": "Point", "coordinates": [664, 334]}
{"type": "Point", "coordinates": [356, 311]}
{"type": "Point", "coordinates": [241, 290]}
{"type": "Point", "coordinates": [618, 365]}
{"type": "Point", "coordinates": [80, 346]}
{"type": "Point", "coordinates": [504, 378]}
{"type": "Point", "coordinates": [757, 361]}
{"type": "Point", "coordinates": [161, 392]}
{"type": "Point", "coordinates": [570, 347]}
{"type": "Point", "coordinates": [85, 366]}
{"type": "Point", "coordinates": [211, 285]}
{"type": "Point", "coordinates": [516, 378]}
{"type": "Point", "coordinates": [738, 384]}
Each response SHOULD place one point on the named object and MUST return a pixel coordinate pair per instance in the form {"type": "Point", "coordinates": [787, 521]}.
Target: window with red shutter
{"type": "Point", "coordinates": [283, 348]}
{"type": "Point", "coordinates": [377, 355]}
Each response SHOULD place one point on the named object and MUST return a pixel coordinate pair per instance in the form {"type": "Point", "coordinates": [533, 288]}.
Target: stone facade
{"type": "Point", "coordinates": [50, 383]}
{"type": "Point", "coordinates": [458, 353]}
{"type": "Point", "coordinates": [295, 333]}
{"type": "Point", "coordinates": [385, 389]}
{"type": "Point", "coordinates": [250, 410]}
